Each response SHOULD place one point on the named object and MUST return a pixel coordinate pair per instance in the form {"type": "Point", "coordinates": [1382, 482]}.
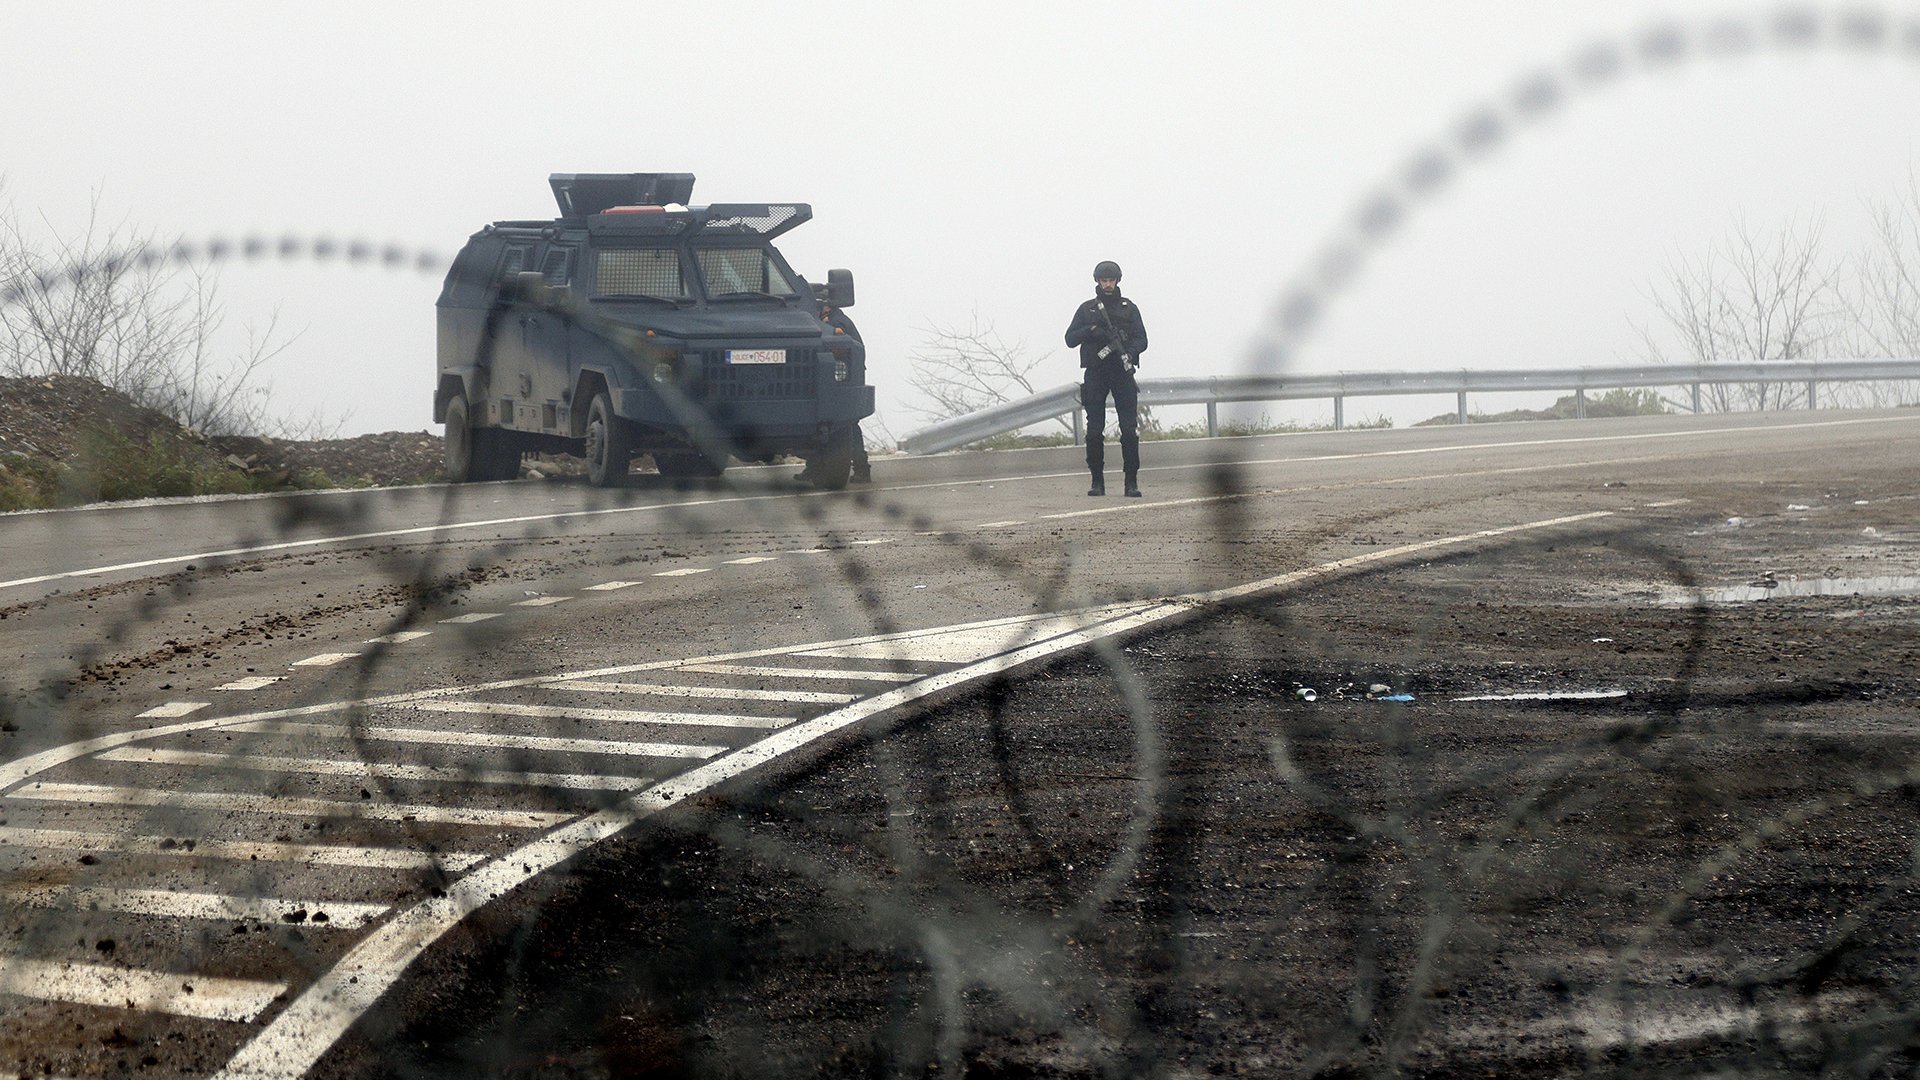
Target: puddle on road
{"type": "Point", "coordinates": [1901, 585]}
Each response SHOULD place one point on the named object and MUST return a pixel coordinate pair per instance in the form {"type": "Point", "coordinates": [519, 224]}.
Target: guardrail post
{"type": "Point", "coordinates": [1213, 419]}
{"type": "Point", "coordinates": [1812, 402]}
{"type": "Point", "coordinates": [1579, 404]}
{"type": "Point", "coordinates": [1696, 399]}
{"type": "Point", "coordinates": [1461, 405]}
{"type": "Point", "coordinates": [1339, 412]}
{"type": "Point", "coordinates": [1079, 435]}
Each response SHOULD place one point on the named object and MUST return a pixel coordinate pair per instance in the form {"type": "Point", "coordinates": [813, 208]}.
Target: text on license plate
{"type": "Point", "coordinates": [756, 356]}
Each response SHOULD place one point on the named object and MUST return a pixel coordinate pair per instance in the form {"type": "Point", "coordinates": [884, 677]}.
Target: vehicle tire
{"type": "Point", "coordinates": [609, 444]}
{"type": "Point", "coordinates": [829, 468]}
{"type": "Point", "coordinates": [464, 464]}
{"type": "Point", "coordinates": [687, 465]}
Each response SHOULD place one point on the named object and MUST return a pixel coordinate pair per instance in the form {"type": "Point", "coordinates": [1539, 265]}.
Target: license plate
{"type": "Point", "coordinates": [756, 356]}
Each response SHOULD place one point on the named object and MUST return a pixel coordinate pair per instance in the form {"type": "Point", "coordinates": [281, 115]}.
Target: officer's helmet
{"type": "Point", "coordinates": [1107, 269]}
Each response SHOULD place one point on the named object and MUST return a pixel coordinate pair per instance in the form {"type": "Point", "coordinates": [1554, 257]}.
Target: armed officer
{"type": "Point", "coordinates": [1111, 336]}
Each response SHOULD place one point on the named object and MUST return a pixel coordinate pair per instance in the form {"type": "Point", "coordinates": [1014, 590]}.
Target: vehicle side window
{"type": "Point", "coordinates": [557, 265]}
{"type": "Point", "coordinates": [470, 276]}
{"type": "Point", "coordinates": [514, 261]}
{"type": "Point", "coordinates": [639, 272]}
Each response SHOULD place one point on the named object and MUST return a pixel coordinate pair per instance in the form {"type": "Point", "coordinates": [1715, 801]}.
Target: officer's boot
{"type": "Point", "coordinates": [1099, 483]}
{"type": "Point", "coordinates": [1133, 485]}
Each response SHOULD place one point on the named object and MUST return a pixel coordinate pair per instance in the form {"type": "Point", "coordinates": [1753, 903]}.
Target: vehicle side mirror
{"type": "Point", "coordinates": [530, 286]}
{"type": "Point", "coordinates": [840, 288]}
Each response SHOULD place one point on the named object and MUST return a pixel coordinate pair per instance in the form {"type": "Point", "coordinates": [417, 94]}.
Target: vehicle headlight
{"type": "Point", "coordinates": [663, 372]}
{"type": "Point", "coordinates": [839, 371]}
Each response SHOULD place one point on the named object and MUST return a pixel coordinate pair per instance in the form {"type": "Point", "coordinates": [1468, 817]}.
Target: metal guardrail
{"type": "Point", "coordinates": [1211, 391]}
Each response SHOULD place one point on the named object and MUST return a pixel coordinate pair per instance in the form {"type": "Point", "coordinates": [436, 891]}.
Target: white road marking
{"type": "Point", "coordinates": [624, 716]}
{"type": "Point", "coordinates": [684, 571]}
{"type": "Point", "coordinates": [376, 770]}
{"type": "Point", "coordinates": [1668, 502]}
{"type": "Point", "coordinates": [169, 904]}
{"type": "Point", "coordinates": [473, 617]}
{"type": "Point", "coordinates": [1549, 695]}
{"type": "Point", "coordinates": [241, 850]}
{"type": "Point", "coordinates": [805, 673]}
{"type": "Point", "coordinates": [998, 524]}
{"type": "Point", "coordinates": [805, 697]}
{"type": "Point", "coordinates": [399, 637]}
{"type": "Point", "coordinates": [288, 805]}
{"type": "Point", "coordinates": [870, 543]}
{"type": "Point", "coordinates": [812, 551]}
{"type": "Point", "coordinates": [174, 709]}
{"type": "Point", "coordinates": [203, 997]}
{"type": "Point", "coordinates": [958, 646]}
{"type": "Point", "coordinates": [325, 659]}
{"type": "Point", "coordinates": [609, 586]}
{"type": "Point", "coordinates": [251, 682]}
{"type": "Point", "coordinates": [483, 740]}
{"type": "Point", "coordinates": [542, 601]}
{"type": "Point", "coordinates": [449, 527]}
{"type": "Point", "coordinates": [751, 559]}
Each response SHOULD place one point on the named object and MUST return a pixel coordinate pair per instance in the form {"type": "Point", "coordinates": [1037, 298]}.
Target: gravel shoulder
{"type": "Point", "coordinates": [1172, 861]}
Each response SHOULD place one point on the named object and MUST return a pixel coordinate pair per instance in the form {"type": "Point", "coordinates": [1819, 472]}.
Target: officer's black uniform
{"type": "Point", "coordinates": [1108, 365]}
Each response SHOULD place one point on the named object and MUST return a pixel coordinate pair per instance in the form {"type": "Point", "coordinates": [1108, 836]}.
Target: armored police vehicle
{"type": "Point", "coordinates": [634, 323]}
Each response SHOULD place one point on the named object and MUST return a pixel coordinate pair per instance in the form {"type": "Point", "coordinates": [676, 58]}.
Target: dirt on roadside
{"type": "Point", "coordinates": [1577, 805]}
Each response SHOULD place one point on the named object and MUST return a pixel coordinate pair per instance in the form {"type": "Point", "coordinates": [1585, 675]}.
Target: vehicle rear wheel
{"type": "Point", "coordinates": [473, 454]}
{"type": "Point", "coordinates": [609, 444]}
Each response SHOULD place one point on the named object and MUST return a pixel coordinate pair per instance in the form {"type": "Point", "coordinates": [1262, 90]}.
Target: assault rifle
{"type": "Point", "coordinates": [1114, 338]}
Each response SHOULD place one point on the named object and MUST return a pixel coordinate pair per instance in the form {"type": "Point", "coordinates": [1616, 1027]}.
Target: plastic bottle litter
{"type": "Point", "coordinates": [1397, 697]}
{"type": "Point", "coordinates": [1306, 693]}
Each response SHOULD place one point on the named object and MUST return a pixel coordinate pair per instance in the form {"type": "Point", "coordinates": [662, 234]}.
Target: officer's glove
{"type": "Point", "coordinates": [1128, 365]}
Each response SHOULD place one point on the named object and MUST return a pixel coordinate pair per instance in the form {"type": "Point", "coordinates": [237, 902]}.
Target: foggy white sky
{"type": "Point", "coordinates": [963, 157]}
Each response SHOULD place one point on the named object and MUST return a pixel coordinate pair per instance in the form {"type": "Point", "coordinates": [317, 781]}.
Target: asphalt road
{"type": "Point", "coordinates": [260, 754]}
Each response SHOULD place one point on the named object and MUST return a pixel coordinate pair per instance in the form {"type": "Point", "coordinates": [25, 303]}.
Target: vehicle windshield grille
{"type": "Point", "coordinates": [741, 270]}
{"type": "Point", "coordinates": [791, 381]}
{"type": "Point", "coordinates": [639, 272]}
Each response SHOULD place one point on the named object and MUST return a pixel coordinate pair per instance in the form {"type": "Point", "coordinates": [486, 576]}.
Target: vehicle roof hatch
{"type": "Point", "coordinates": [585, 194]}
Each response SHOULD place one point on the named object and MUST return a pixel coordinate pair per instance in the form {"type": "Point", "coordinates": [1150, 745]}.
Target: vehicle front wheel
{"type": "Point", "coordinates": [829, 467]}
{"type": "Point", "coordinates": [609, 444]}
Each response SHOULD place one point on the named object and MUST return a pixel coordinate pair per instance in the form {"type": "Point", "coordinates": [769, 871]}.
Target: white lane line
{"type": "Point", "coordinates": [174, 709]}
{"type": "Point", "coordinates": [870, 543]}
{"type": "Point", "coordinates": [684, 571]}
{"type": "Point", "coordinates": [1667, 503]}
{"type": "Point", "coordinates": [399, 637]}
{"type": "Point", "coordinates": [542, 601]}
{"type": "Point", "coordinates": [804, 697]}
{"type": "Point", "coordinates": [482, 740]}
{"type": "Point", "coordinates": [203, 997]}
{"type": "Point", "coordinates": [751, 559]}
{"type": "Point", "coordinates": [1549, 695]}
{"type": "Point", "coordinates": [474, 617]}
{"type": "Point", "coordinates": [609, 586]}
{"type": "Point", "coordinates": [1155, 503]}
{"type": "Point", "coordinates": [168, 904]}
{"type": "Point", "coordinates": [805, 673]}
{"type": "Point", "coordinates": [623, 716]}
{"type": "Point", "coordinates": [241, 850]}
{"type": "Point", "coordinates": [378, 770]}
{"type": "Point", "coordinates": [452, 526]}
{"type": "Point", "coordinates": [998, 524]}
{"type": "Point", "coordinates": [325, 659]}
{"type": "Point", "coordinates": [812, 551]}
{"type": "Point", "coordinates": [288, 805]}
{"type": "Point", "coordinates": [251, 682]}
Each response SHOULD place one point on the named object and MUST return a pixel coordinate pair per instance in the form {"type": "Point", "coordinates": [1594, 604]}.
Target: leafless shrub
{"type": "Point", "coordinates": [961, 370]}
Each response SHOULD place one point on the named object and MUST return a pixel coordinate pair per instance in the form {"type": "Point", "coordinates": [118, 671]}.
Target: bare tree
{"type": "Point", "coordinates": [966, 369]}
{"type": "Point", "coordinates": [109, 306]}
{"type": "Point", "coordinates": [1753, 297]}
{"type": "Point", "coordinates": [1886, 295]}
